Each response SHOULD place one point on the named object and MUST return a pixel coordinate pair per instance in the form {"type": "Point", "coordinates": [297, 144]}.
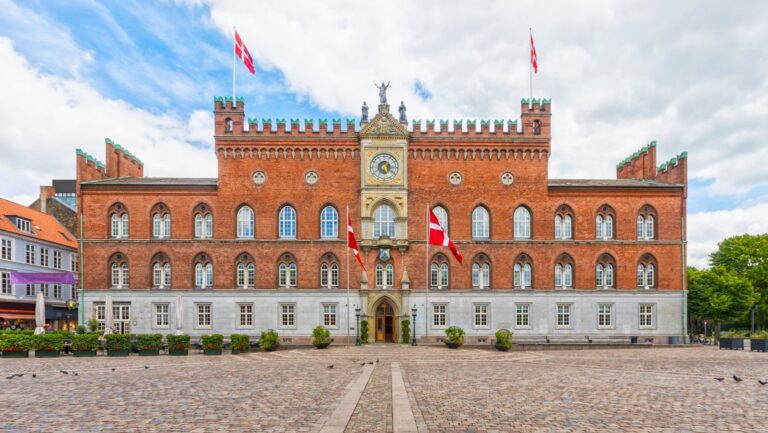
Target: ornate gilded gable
{"type": "Point", "coordinates": [384, 125]}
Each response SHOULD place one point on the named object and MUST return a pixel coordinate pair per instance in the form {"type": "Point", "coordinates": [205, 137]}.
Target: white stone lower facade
{"type": "Point", "coordinates": [530, 315]}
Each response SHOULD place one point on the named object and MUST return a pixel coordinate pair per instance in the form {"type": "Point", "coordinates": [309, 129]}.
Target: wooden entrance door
{"type": "Point", "coordinates": [385, 323]}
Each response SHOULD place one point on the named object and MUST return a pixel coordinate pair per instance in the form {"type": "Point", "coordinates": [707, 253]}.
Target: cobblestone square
{"type": "Point", "coordinates": [465, 390]}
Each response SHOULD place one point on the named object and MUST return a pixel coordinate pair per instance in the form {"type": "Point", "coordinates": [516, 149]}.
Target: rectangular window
{"type": "Point", "coordinates": [24, 225]}
{"type": "Point", "coordinates": [481, 315]}
{"type": "Point", "coordinates": [5, 249]}
{"type": "Point", "coordinates": [646, 315]}
{"type": "Point", "coordinates": [5, 283]}
{"type": "Point", "coordinates": [203, 315]}
{"type": "Point", "coordinates": [287, 315]}
{"type": "Point", "coordinates": [73, 264]}
{"type": "Point", "coordinates": [605, 315]}
{"type": "Point", "coordinates": [43, 256]}
{"type": "Point", "coordinates": [73, 289]}
{"type": "Point", "coordinates": [101, 315]}
{"type": "Point", "coordinates": [44, 289]}
{"type": "Point", "coordinates": [523, 315]}
{"type": "Point", "coordinates": [30, 290]}
{"type": "Point", "coordinates": [161, 315]}
{"type": "Point", "coordinates": [30, 254]}
{"type": "Point", "coordinates": [439, 318]}
{"type": "Point", "coordinates": [57, 259]}
{"type": "Point", "coordinates": [57, 291]}
{"type": "Point", "coordinates": [329, 315]}
{"type": "Point", "coordinates": [246, 315]}
{"type": "Point", "coordinates": [563, 315]}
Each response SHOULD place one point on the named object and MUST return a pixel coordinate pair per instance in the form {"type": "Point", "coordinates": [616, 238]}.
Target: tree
{"type": "Point", "coordinates": [747, 255]}
{"type": "Point", "coordinates": [719, 295]}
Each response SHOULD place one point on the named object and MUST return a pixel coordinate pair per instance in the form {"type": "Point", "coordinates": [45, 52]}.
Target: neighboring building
{"type": "Point", "coordinates": [32, 241]}
{"type": "Point", "coordinates": [263, 244]}
{"type": "Point", "coordinates": [60, 200]}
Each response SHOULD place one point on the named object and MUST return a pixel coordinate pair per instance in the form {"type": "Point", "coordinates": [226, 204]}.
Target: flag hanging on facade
{"type": "Point", "coordinates": [352, 242]}
{"type": "Point", "coordinates": [242, 52]}
{"type": "Point", "coordinates": [534, 62]}
{"type": "Point", "coordinates": [438, 236]}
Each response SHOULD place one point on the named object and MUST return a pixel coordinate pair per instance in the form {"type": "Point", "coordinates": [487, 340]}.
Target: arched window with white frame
{"type": "Point", "coordinates": [161, 221]}
{"type": "Point", "coordinates": [522, 219]}
{"type": "Point", "coordinates": [605, 269]}
{"type": "Point", "coordinates": [245, 222]}
{"type": "Point", "coordinates": [118, 264]}
{"type": "Point", "coordinates": [118, 221]}
{"type": "Point", "coordinates": [564, 272]}
{"type": "Point", "coordinates": [481, 272]}
{"type": "Point", "coordinates": [203, 221]}
{"type": "Point", "coordinates": [385, 275]}
{"type": "Point", "coordinates": [646, 272]}
{"type": "Point", "coordinates": [523, 272]}
{"type": "Point", "coordinates": [442, 217]}
{"type": "Point", "coordinates": [287, 222]}
{"type": "Point", "coordinates": [245, 271]}
{"type": "Point", "coordinates": [329, 223]}
{"type": "Point", "coordinates": [287, 271]}
{"type": "Point", "coordinates": [384, 221]}
{"type": "Point", "coordinates": [329, 272]}
{"type": "Point", "coordinates": [203, 271]}
{"type": "Point", "coordinates": [604, 223]}
{"type": "Point", "coordinates": [564, 223]}
{"type": "Point", "coordinates": [161, 271]}
{"type": "Point", "coordinates": [438, 275]}
{"type": "Point", "coordinates": [646, 223]}
{"type": "Point", "coordinates": [481, 223]}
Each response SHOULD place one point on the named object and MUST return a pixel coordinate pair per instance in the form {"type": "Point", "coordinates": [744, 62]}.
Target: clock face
{"type": "Point", "coordinates": [384, 167]}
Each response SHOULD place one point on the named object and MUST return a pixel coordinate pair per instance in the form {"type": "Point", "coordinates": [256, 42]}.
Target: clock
{"type": "Point", "coordinates": [384, 167]}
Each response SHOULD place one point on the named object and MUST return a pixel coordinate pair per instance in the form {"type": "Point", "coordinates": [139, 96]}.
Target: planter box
{"type": "Point", "coordinates": [211, 351]}
{"type": "Point", "coordinates": [149, 352]}
{"type": "Point", "coordinates": [323, 345]}
{"type": "Point", "coordinates": [178, 352]}
{"type": "Point", "coordinates": [16, 354]}
{"type": "Point", "coordinates": [84, 353]}
{"type": "Point", "coordinates": [120, 352]}
{"type": "Point", "coordinates": [502, 348]}
{"type": "Point", "coordinates": [453, 345]}
{"type": "Point", "coordinates": [759, 345]}
{"type": "Point", "coordinates": [732, 343]}
{"type": "Point", "coordinates": [47, 353]}
{"type": "Point", "coordinates": [239, 351]}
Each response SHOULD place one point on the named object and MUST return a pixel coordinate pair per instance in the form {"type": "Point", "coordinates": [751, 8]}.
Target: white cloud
{"type": "Point", "coordinates": [706, 229]}
{"type": "Point", "coordinates": [46, 117]}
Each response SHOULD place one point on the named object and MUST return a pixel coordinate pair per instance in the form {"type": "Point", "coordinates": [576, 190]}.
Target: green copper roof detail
{"type": "Point", "coordinates": [485, 122]}
{"type": "Point", "coordinates": [253, 120]}
{"type": "Point", "coordinates": [281, 121]}
{"type": "Point", "coordinates": [457, 123]}
{"type": "Point", "coordinates": [663, 167]}
{"type": "Point", "coordinates": [673, 161]}
{"type": "Point", "coordinates": [512, 122]}
{"type": "Point", "coordinates": [294, 121]}
{"type": "Point", "coordinates": [525, 101]}
{"type": "Point", "coordinates": [108, 141]}
{"type": "Point", "coordinates": [652, 143]}
{"type": "Point", "coordinates": [336, 121]}
{"type": "Point", "coordinates": [471, 122]}
{"type": "Point", "coordinates": [266, 121]}
{"type": "Point", "coordinates": [430, 121]}
{"type": "Point", "coordinates": [309, 120]}
{"type": "Point", "coordinates": [323, 121]}
{"type": "Point", "coordinates": [79, 152]}
{"type": "Point", "coordinates": [683, 155]}
{"type": "Point", "coordinates": [546, 101]}
{"type": "Point", "coordinates": [240, 99]}
{"type": "Point", "coordinates": [443, 122]}
{"type": "Point", "coordinates": [498, 122]}
{"type": "Point", "coordinates": [351, 121]}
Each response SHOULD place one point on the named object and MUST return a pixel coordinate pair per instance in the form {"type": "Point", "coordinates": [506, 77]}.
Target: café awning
{"type": "Point", "coordinates": [42, 278]}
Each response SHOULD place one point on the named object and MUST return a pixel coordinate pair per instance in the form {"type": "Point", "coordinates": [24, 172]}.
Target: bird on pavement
{"type": "Point", "coordinates": [113, 368]}
{"type": "Point", "coordinates": [362, 364]}
{"type": "Point", "coordinates": [63, 372]}
{"type": "Point", "coordinates": [377, 361]}
{"type": "Point", "coordinates": [330, 366]}
{"type": "Point", "coordinates": [75, 373]}
{"type": "Point", "coordinates": [146, 367]}
{"type": "Point", "coordinates": [719, 379]}
{"type": "Point", "coordinates": [370, 362]}
{"type": "Point", "coordinates": [11, 376]}
{"type": "Point", "coordinates": [737, 378]}
{"type": "Point", "coordinates": [34, 375]}
{"type": "Point", "coordinates": [20, 375]}
{"type": "Point", "coordinates": [762, 382]}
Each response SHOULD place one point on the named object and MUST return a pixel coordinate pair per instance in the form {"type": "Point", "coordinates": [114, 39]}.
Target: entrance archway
{"type": "Point", "coordinates": [384, 322]}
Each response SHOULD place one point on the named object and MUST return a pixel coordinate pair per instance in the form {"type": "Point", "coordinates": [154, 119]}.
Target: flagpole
{"type": "Point", "coordinates": [348, 316]}
{"type": "Point", "coordinates": [428, 275]}
{"type": "Point", "coordinates": [234, 43]}
{"type": "Point", "coordinates": [530, 61]}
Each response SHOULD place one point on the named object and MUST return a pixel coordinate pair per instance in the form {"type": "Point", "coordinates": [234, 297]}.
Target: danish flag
{"type": "Point", "coordinates": [534, 62]}
{"type": "Point", "coordinates": [438, 236]}
{"type": "Point", "coordinates": [242, 52]}
{"type": "Point", "coordinates": [352, 242]}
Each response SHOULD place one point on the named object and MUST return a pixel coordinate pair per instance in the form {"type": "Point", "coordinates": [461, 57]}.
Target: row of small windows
{"type": "Point", "coordinates": [384, 223]}
{"type": "Point", "coordinates": [385, 273]}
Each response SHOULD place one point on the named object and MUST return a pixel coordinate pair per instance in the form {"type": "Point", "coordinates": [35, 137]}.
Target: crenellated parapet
{"type": "Point", "coordinates": [279, 127]}
{"type": "Point", "coordinates": [640, 165]}
{"type": "Point", "coordinates": [121, 162]}
{"type": "Point", "coordinates": [675, 171]}
{"type": "Point", "coordinates": [488, 128]}
{"type": "Point", "coordinates": [90, 161]}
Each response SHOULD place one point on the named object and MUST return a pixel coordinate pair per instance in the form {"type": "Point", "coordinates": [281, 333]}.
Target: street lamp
{"type": "Point", "coordinates": [357, 329]}
{"type": "Point", "coordinates": [413, 314]}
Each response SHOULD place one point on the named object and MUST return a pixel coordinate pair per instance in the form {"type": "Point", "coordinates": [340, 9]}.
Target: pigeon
{"type": "Point", "coordinates": [719, 379]}
{"type": "Point", "coordinates": [330, 366]}
{"type": "Point", "coordinates": [75, 373]}
{"type": "Point", "coordinates": [63, 372]}
{"type": "Point", "coordinates": [113, 368]}
{"type": "Point", "coordinates": [20, 375]}
{"type": "Point", "coordinates": [11, 376]}
{"type": "Point", "coordinates": [737, 378]}
{"type": "Point", "coordinates": [370, 362]}
{"type": "Point", "coordinates": [146, 367]}
{"type": "Point", "coordinates": [377, 361]}
{"type": "Point", "coordinates": [34, 375]}
{"type": "Point", "coordinates": [363, 364]}
{"type": "Point", "coordinates": [762, 382]}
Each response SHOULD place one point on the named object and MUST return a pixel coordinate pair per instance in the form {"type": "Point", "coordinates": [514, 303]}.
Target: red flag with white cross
{"type": "Point", "coordinates": [352, 242]}
{"type": "Point", "coordinates": [534, 60]}
{"type": "Point", "coordinates": [242, 52]}
{"type": "Point", "coordinates": [438, 236]}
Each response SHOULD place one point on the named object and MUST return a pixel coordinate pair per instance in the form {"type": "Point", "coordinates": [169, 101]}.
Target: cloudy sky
{"type": "Point", "coordinates": [691, 75]}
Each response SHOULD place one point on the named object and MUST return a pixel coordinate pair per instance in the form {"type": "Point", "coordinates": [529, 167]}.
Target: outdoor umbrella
{"type": "Point", "coordinates": [40, 313]}
{"type": "Point", "coordinates": [179, 315]}
{"type": "Point", "coordinates": [108, 315]}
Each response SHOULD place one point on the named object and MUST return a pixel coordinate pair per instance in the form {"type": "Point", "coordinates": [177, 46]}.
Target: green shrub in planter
{"type": "Point", "coordinates": [269, 340]}
{"type": "Point", "coordinates": [405, 325]}
{"type": "Point", "coordinates": [93, 325]}
{"type": "Point", "coordinates": [118, 344]}
{"type": "Point", "coordinates": [759, 342]}
{"type": "Point", "coordinates": [240, 343]}
{"type": "Point", "coordinates": [80, 329]}
{"type": "Point", "coordinates": [149, 344]}
{"type": "Point", "coordinates": [85, 344]}
{"type": "Point", "coordinates": [178, 345]}
{"type": "Point", "coordinates": [48, 345]}
{"type": "Point", "coordinates": [212, 344]}
{"type": "Point", "coordinates": [364, 332]}
{"type": "Point", "coordinates": [455, 337]}
{"type": "Point", "coordinates": [15, 344]}
{"type": "Point", "coordinates": [503, 339]}
{"type": "Point", "coordinates": [321, 337]}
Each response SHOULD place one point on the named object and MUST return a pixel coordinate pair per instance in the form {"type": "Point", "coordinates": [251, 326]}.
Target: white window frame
{"type": "Point", "coordinates": [30, 254]}
{"type": "Point", "coordinates": [606, 320]}
{"type": "Point", "coordinates": [201, 313]}
{"type": "Point", "coordinates": [57, 292]}
{"type": "Point", "coordinates": [442, 217]}
{"type": "Point", "coordinates": [522, 223]}
{"type": "Point", "coordinates": [6, 288]}
{"type": "Point", "coordinates": [439, 311]}
{"type": "Point", "coordinates": [6, 249]}
{"type": "Point", "coordinates": [330, 315]}
{"type": "Point", "coordinates": [481, 276]}
{"type": "Point", "coordinates": [520, 314]}
{"type": "Point", "coordinates": [484, 312]}
{"type": "Point", "coordinates": [56, 259]}
{"type": "Point", "coordinates": [567, 312]}
{"type": "Point", "coordinates": [481, 223]}
{"type": "Point", "coordinates": [246, 275]}
{"type": "Point", "coordinates": [287, 275]}
{"type": "Point", "coordinates": [287, 222]}
{"type": "Point", "coordinates": [329, 223]}
{"type": "Point", "coordinates": [384, 221]}
{"type": "Point", "coordinates": [245, 315]}
{"type": "Point", "coordinates": [652, 314]}
{"type": "Point", "coordinates": [44, 257]}
{"type": "Point", "coordinates": [161, 319]}
{"type": "Point", "coordinates": [286, 315]}
{"type": "Point", "coordinates": [245, 222]}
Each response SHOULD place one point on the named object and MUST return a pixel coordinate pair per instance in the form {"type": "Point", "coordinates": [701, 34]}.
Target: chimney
{"type": "Point", "coordinates": [46, 192]}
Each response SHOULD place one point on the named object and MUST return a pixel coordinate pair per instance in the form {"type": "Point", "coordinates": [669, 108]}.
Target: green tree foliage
{"type": "Point", "coordinates": [747, 255]}
{"type": "Point", "coordinates": [405, 327]}
{"type": "Point", "coordinates": [719, 295]}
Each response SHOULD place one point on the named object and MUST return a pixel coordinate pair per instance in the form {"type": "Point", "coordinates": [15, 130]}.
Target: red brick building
{"type": "Point", "coordinates": [263, 244]}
